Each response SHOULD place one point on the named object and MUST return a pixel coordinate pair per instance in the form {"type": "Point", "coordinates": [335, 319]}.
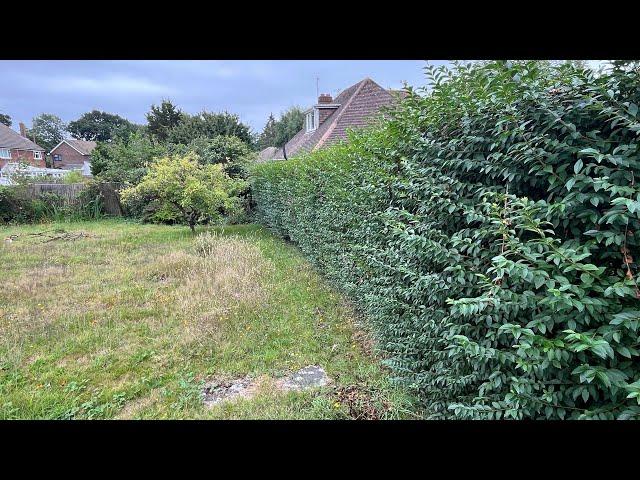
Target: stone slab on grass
{"type": "Point", "coordinates": [311, 376]}
{"type": "Point", "coordinates": [308, 377]}
{"type": "Point", "coordinates": [216, 392]}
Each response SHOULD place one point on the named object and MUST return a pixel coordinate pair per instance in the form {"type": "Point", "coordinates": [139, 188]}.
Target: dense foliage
{"type": "Point", "coordinates": [490, 231]}
{"type": "Point", "coordinates": [209, 125]}
{"type": "Point", "coordinates": [125, 160]}
{"type": "Point", "coordinates": [162, 118]}
{"type": "Point", "coordinates": [231, 152]}
{"type": "Point", "coordinates": [182, 189]}
{"type": "Point", "coordinates": [101, 126]}
{"type": "Point", "coordinates": [16, 206]}
{"type": "Point", "coordinates": [208, 138]}
{"type": "Point", "coordinates": [288, 125]}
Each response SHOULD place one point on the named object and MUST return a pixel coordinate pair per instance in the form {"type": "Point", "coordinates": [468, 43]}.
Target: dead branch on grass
{"type": "Point", "coordinates": [58, 234]}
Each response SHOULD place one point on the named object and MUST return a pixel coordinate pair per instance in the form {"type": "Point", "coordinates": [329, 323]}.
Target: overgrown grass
{"type": "Point", "coordinates": [130, 321]}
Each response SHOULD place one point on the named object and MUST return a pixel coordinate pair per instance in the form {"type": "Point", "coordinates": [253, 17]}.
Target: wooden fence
{"type": "Point", "coordinates": [70, 193]}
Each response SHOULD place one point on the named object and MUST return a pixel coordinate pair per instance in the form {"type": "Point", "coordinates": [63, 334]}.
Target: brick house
{"type": "Point", "coordinates": [328, 120]}
{"type": "Point", "coordinates": [16, 147]}
{"type": "Point", "coordinates": [72, 154]}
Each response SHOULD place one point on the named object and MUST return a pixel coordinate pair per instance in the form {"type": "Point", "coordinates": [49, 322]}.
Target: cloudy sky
{"type": "Point", "coordinates": [252, 89]}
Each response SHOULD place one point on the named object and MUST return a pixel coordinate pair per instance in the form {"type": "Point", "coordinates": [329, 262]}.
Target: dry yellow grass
{"type": "Point", "coordinates": [220, 276]}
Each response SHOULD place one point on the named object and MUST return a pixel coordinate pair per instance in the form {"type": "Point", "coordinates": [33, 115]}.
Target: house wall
{"type": "Point", "coordinates": [25, 156]}
{"type": "Point", "coordinates": [69, 157]}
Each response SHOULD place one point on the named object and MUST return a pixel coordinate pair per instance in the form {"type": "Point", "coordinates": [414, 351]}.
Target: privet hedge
{"type": "Point", "coordinates": [489, 230]}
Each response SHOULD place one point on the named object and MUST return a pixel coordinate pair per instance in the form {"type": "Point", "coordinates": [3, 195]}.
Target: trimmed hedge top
{"type": "Point", "coordinates": [489, 230]}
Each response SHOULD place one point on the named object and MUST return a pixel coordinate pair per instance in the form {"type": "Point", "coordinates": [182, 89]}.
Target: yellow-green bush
{"type": "Point", "coordinates": [183, 190]}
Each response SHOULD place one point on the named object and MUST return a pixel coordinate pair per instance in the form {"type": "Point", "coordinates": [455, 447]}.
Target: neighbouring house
{"type": "Point", "coordinates": [328, 120]}
{"type": "Point", "coordinates": [16, 147]}
{"type": "Point", "coordinates": [72, 154]}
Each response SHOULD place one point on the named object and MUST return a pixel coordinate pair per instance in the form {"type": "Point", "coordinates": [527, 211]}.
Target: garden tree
{"type": "Point", "coordinates": [231, 152]}
{"type": "Point", "coordinates": [125, 160]}
{"type": "Point", "coordinates": [209, 125]}
{"type": "Point", "coordinates": [162, 119]}
{"type": "Point", "coordinates": [267, 137]}
{"type": "Point", "coordinates": [287, 126]}
{"type": "Point", "coordinates": [100, 126]}
{"type": "Point", "coordinates": [47, 130]}
{"type": "Point", "coordinates": [125, 130]}
{"type": "Point", "coordinates": [197, 193]}
{"type": "Point", "coordinates": [5, 119]}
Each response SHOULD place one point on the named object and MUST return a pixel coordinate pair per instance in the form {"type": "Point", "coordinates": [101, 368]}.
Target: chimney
{"type": "Point", "coordinates": [23, 130]}
{"type": "Point", "coordinates": [325, 107]}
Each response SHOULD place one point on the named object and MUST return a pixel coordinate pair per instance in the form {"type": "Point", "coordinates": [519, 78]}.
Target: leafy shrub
{"type": "Point", "coordinates": [15, 207]}
{"type": "Point", "coordinates": [143, 207]}
{"type": "Point", "coordinates": [184, 190]}
{"type": "Point", "coordinates": [54, 207]}
{"type": "Point", "coordinates": [488, 230]}
{"type": "Point", "coordinates": [90, 204]}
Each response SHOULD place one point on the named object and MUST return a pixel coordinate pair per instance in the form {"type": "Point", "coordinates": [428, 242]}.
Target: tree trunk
{"type": "Point", "coordinates": [192, 222]}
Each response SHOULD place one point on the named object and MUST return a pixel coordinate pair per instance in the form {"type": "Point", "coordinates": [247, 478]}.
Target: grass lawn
{"type": "Point", "coordinates": [129, 321]}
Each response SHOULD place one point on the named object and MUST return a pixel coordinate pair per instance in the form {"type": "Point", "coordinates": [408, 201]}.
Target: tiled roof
{"type": "Point", "coordinates": [85, 147]}
{"type": "Point", "coordinates": [267, 154]}
{"type": "Point", "coordinates": [400, 93]}
{"type": "Point", "coordinates": [9, 138]}
{"type": "Point", "coordinates": [358, 104]}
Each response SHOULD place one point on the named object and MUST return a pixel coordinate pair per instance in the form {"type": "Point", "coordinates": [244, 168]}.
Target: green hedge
{"type": "Point", "coordinates": [489, 231]}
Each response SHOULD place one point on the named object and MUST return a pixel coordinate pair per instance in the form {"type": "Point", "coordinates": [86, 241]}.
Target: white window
{"type": "Point", "coordinates": [37, 155]}
{"type": "Point", "coordinates": [311, 120]}
{"type": "Point", "coordinates": [5, 153]}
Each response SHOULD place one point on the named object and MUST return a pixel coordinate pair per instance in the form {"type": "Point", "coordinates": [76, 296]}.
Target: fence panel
{"type": "Point", "coordinates": [71, 192]}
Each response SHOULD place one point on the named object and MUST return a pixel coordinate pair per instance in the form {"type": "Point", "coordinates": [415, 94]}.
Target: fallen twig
{"type": "Point", "coordinates": [60, 234]}
{"type": "Point", "coordinates": [67, 237]}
